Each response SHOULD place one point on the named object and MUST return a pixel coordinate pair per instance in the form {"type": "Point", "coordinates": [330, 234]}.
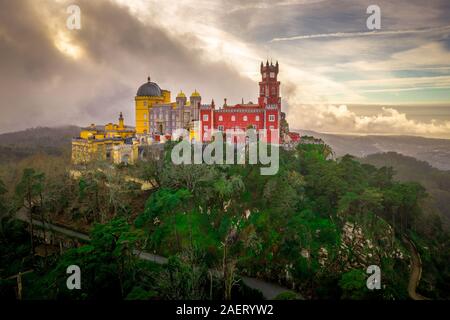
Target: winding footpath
{"type": "Point", "coordinates": [268, 290]}
{"type": "Point", "coordinates": [416, 271]}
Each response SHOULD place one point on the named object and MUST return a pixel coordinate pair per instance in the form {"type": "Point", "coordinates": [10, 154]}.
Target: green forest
{"type": "Point", "coordinates": [313, 228]}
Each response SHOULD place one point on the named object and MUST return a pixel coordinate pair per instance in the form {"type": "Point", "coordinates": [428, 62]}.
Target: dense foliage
{"type": "Point", "coordinates": [313, 228]}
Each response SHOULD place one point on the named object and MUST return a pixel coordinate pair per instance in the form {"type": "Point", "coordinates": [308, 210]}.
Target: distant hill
{"type": "Point", "coordinates": [375, 150]}
{"type": "Point", "coordinates": [436, 182]}
{"type": "Point", "coordinates": [18, 145]}
{"type": "Point", "coordinates": [53, 141]}
{"type": "Point", "coordinates": [435, 151]}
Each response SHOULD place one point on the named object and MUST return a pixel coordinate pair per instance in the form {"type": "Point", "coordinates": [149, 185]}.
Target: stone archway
{"type": "Point", "coordinates": [126, 159]}
{"type": "Point", "coordinates": [160, 126]}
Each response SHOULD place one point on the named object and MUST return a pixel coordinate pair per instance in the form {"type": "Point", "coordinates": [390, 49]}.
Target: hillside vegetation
{"type": "Point", "coordinates": [436, 182]}
{"type": "Point", "coordinates": [314, 227]}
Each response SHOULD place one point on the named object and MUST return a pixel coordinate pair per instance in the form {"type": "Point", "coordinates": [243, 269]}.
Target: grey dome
{"type": "Point", "coordinates": [149, 89]}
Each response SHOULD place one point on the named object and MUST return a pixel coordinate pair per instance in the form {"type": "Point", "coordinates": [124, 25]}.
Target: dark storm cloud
{"type": "Point", "coordinates": [26, 51]}
{"type": "Point", "coordinates": [39, 85]}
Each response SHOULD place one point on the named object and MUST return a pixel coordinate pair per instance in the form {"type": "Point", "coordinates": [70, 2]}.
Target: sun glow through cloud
{"type": "Point", "coordinates": [66, 46]}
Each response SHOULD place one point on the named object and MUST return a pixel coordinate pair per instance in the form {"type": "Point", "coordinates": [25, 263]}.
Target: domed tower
{"type": "Point", "coordinates": [181, 99]}
{"type": "Point", "coordinates": [195, 100]}
{"type": "Point", "coordinates": [147, 95]}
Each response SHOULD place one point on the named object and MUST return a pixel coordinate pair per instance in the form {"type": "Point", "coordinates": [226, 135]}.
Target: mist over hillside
{"type": "Point", "coordinates": [434, 151]}
{"type": "Point", "coordinates": [18, 145]}
{"type": "Point", "coordinates": [436, 182]}
{"type": "Point", "coordinates": [43, 136]}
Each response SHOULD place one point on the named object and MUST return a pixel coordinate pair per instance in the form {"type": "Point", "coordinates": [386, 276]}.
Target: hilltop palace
{"type": "Point", "coordinates": [157, 119]}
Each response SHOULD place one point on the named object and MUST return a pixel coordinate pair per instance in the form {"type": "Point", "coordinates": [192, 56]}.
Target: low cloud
{"type": "Point", "coordinates": [339, 119]}
{"type": "Point", "coordinates": [323, 116]}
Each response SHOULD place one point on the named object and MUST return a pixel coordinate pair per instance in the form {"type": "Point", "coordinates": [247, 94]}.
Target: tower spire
{"type": "Point", "coordinates": [121, 122]}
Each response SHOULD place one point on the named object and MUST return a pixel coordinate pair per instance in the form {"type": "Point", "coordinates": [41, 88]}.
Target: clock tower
{"type": "Point", "coordinates": [269, 87]}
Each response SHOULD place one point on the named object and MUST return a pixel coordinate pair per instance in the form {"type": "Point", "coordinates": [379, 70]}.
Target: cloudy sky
{"type": "Point", "coordinates": [336, 75]}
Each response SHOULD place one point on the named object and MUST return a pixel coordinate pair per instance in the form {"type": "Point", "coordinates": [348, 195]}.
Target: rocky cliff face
{"type": "Point", "coordinates": [358, 249]}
